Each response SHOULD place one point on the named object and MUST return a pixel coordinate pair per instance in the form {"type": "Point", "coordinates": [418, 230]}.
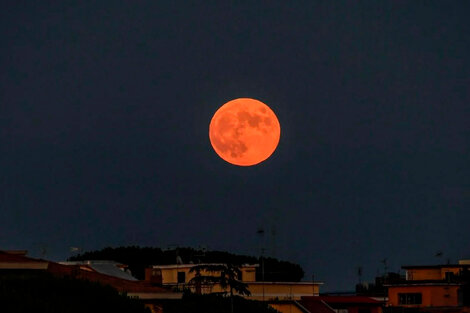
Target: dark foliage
{"type": "Point", "coordinates": [138, 258]}
{"type": "Point", "coordinates": [464, 279]}
{"type": "Point", "coordinates": [34, 291]}
{"type": "Point", "coordinates": [192, 303]}
{"type": "Point", "coordinates": [276, 270]}
{"type": "Point", "coordinates": [228, 278]}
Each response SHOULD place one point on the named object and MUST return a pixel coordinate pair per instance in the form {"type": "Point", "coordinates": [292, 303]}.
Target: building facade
{"type": "Point", "coordinates": [433, 288]}
{"type": "Point", "coordinates": [179, 277]}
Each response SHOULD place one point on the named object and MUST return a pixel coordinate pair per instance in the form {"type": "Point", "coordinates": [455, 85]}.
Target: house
{"type": "Point", "coordinates": [149, 294]}
{"type": "Point", "coordinates": [436, 288]}
{"type": "Point", "coordinates": [178, 276]}
{"type": "Point", "coordinates": [267, 291]}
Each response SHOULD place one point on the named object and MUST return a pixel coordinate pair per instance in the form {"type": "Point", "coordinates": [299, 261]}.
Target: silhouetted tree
{"type": "Point", "coordinates": [227, 275]}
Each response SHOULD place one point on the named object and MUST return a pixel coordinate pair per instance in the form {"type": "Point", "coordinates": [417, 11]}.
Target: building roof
{"type": "Point", "coordinates": [413, 283]}
{"type": "Point", "coordinates": [110, 268]}
{"type": "Point", "coordinates": [171, 266]}
{"type": "Point", "coordinates": [19, 261]}
{"type": "Point", "coordinates": [141, 288]}
{"type": "Point", "coordinates": [7, 257]}
{"type": "Point", "coordinates": [315, 305]}
{"type": "Point", "coordinates": [345, 299]}
{"type": "Point", "coordinates": [17, 252]}
{"type": "Point", "coordinates": [285, 283]}
{"type": "Point", "coordinates": [438, 266]}
{"type": "Point", "coordinates": [120, 284]}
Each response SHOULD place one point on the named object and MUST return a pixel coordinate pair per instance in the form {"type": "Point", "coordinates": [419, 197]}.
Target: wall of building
{"type": "Point", "coordinates": [286, 307]}
{"type": "Point", "coordinates": [170, 275]}
{"type": "Point", "coordinates": [248, 274]}
{"type": "Point", "coordinates": [358, 309]}
{"type": "Point", "coordinates": [423, 274]}
{"type": "Point", "coordinates": [432, 295]}
{"type": "Point", "coordinates": [455, 270]}
{"type": "Point", "coordinates": [282, 291]}
{"type": "Point", "coordinates": [431, 273]}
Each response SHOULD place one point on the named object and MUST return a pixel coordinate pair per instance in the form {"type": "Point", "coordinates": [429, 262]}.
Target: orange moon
{"type": "Point", "coordinates": [244, 132]}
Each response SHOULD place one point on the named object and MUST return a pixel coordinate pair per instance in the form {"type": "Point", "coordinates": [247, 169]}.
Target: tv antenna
{"type": "Point", "coordinates": [359, 274]}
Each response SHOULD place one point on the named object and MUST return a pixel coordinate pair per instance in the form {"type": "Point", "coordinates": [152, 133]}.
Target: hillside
{"type": "Point", "coordinates": [138, 258]}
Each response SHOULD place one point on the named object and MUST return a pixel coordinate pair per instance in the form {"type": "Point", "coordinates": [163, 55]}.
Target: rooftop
{"type": "Point", "coordinates": [170, 266]}
{"type": "Point", "coordinates": [438, 266]}
{"type": "Point", "coordinates": [143, 289]}
{"type": "Point", "coordinates": [285, 283]}
{"type": "Point", "coordinates": [344, 299]}
{"type": "Point", "coordinates": [110, 268]}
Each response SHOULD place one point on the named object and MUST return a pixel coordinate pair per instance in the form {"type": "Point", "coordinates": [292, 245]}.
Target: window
{"type": "Point", "coordinates": [410, 298]}
{"type": "Point", "coordinates": [409, 275]}
{"type": "Point", "coordinates": [181, 277]}
{"type": "Point", "coordinates": [449, 276]}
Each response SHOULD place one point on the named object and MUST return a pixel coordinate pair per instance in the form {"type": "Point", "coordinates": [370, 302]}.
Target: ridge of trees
{"type": "Point", "coordinates": [139, 258]}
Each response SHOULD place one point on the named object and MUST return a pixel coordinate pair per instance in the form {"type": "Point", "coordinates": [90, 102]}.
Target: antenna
{"type": "Point", "coordinates": [273, 239]}
{"type": "Point", "coordinates": [41, 249]}
{"type": "Point", "coordinates": [359, 274]}
{"type": "Point", "coordinates": [273, 231]}
{"type": "Point", "coordinates": [43, 252]}
{"type": "Point", "coordinates": [384, 262]}
{"type": "Point", "coordinates": [260, 233]}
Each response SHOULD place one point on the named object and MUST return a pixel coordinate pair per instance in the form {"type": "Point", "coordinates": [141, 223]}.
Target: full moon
{"type": "Point", "coordinates": [244, 132]}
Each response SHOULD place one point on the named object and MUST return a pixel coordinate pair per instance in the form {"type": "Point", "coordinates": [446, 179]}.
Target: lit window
{"type": "Point", "coordinates": [410, 298]}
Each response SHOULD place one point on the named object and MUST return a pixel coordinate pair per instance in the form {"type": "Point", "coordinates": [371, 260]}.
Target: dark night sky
{"type": "Point", "coordinates": [105, 107]}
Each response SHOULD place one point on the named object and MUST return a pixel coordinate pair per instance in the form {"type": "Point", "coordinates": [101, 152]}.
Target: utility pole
{"type": "Point", "coordinates": [313, 284]}
{"type": "Point", "coordinates": [262, 269]}
{"type": "Point", "coordinates": [260, 233]}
